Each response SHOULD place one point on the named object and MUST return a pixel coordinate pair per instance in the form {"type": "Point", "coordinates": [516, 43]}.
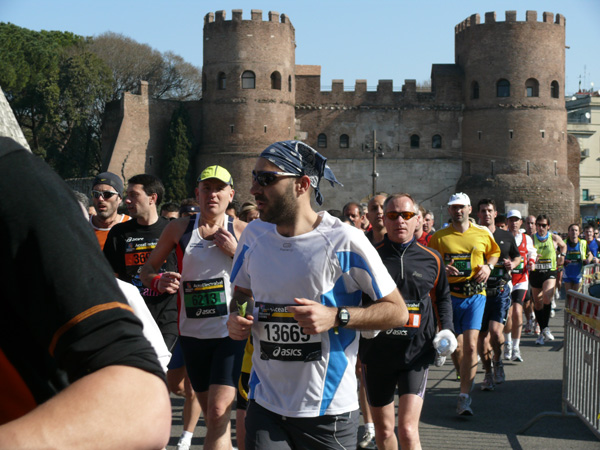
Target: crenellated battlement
{"type": "Point", "coordinates": [510, 17]}
{"type": "Point", "coordinates": [256, 15]}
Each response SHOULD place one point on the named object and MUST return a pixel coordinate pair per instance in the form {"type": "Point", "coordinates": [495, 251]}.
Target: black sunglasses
{"type": "Point", "coordinates": [104, 194]}
{"type": "Point", "coordinates": [406, 215]}
{"type": "Point", "coordinates": [541, 224]}
{"type": "Point", "coordinates": [265, 178]}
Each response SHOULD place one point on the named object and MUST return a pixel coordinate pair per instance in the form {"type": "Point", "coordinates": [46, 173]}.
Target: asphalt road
{"type": "Point", "coordinates": [532, 387]}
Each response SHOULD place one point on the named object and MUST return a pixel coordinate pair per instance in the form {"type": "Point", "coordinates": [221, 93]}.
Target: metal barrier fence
{"type": "Point", "coordinates": [591, 276]}
{"type": "Point", "coordinates": [581, 358]}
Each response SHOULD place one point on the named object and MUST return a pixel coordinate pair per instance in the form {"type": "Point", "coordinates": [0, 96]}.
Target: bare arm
{"type": "Point", "coordinates": [169, 281]}
{"type": "Point", "coordinates": [114, 407]}
{"type": "Point", "coordinates": [562, 249]}
{"type": "Point", "coordinates": [388, 312]}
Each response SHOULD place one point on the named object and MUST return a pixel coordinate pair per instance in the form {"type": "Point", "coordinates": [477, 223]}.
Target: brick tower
{"type": "Point", "coordinates": [248, 90]}
{"type": "Point", "coordinates": [514, 127]}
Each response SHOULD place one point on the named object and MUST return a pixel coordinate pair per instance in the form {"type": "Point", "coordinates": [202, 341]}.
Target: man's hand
{"type": "Point", "coordinates": [225, 241]}
{"type": "Point", "coordinates": [452, 271]}
{"type": "Point", "coordinates": [483, 273]}
{"type": "Point", "coordinates": [313, 317]}
{"type": "Point", "coordinates": [168, 282]}
{"type": "Point", "coordinates": [239, 327]}
{"type": "Point", "coordinates": [507, 264]}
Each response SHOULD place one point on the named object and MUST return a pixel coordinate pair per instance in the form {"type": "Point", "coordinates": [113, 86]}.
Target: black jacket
{"type": "Point", "coordinates": [420, 276]}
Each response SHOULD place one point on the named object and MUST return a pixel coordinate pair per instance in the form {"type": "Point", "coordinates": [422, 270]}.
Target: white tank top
{"type": "Point", "coordinates": [205, 291]}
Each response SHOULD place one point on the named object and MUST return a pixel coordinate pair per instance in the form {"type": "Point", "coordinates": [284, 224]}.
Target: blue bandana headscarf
{"type": "Point", "coordinates": [297, 157]}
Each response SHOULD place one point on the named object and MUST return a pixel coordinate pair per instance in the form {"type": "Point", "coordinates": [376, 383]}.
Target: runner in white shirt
{"type": "Point", "coordinates": [306, 272]}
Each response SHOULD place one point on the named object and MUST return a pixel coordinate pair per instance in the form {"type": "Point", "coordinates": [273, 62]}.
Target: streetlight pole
{"type": "Point", "coordinates": [374, 147]}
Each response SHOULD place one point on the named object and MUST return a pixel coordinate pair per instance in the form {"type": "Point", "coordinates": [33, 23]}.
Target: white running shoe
{"type": "Point", "coordinates": [367, 440]}
{"type": "Point", "coordinates": [547, 334]}
{"type": "Point", "coordinates": [516, 355]}
{"type": "Point", "coordinates": [463, 407]}
{"type": "Point", "coordinates": [488, 382]}
{"type": "Point", "coordinates": [540, 340]}
{"type": "Point", "coordinates": [183, 445]}
{"type": "Point", "coordinates": [507, 350]}
{"type": "Point", "coordinates": [528, 328]}
{"type": "Point", "coordinates": [439, 360]}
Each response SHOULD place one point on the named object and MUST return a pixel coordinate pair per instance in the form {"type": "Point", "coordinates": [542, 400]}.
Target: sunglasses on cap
{"type": "Point", "coordinates": [406, 215]}
{"type": "Point", "coordinates": [265, 178]}
{"type": "Point", "coordinates": [104, 194]}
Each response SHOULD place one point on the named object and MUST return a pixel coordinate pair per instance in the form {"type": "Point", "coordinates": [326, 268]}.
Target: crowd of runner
{"type": "Point", "coordinates": [303, 319]}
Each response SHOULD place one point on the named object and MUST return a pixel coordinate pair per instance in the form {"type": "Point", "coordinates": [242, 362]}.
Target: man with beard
{"type": "Point", "coordinates": [205, 243]}
{"type": "Point", "coordinates": [400, 357]}
{"type": "Point", "coordinates": [302, 275]}
{"type": "Point", "coordinates": [107, 191]}
{"type": "Point", "coordinates": [470, 253]}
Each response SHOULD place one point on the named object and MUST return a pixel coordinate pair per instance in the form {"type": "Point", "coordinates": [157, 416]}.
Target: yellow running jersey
{"type": "Point", "coordinates": [465, 251]}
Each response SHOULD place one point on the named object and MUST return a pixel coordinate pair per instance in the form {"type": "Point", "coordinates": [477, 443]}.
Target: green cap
{"type": "Point", "coordinates": [218, 172]}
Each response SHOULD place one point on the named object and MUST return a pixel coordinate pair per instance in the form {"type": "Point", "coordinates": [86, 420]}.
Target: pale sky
{"type": "Point", "coordinates": [349, 39]}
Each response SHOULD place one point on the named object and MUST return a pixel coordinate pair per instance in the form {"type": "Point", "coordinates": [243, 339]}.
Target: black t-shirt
{"type": "Point", "coordinates": [62, 315]}
{"type": "Point", "coordinates": [508, 249]}
{"type": "Point", "coordinates": [127, 248]}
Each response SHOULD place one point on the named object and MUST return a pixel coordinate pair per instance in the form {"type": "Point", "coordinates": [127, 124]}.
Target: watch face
{"type": "Point", "coordinates": [344, 316]}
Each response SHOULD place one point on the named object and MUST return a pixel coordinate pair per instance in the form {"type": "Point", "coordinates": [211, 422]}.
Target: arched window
{"type": "Point", "coordinates": [344, 141]}
{"type": "Point", "coordinates": [436, 141]}
{"type": "Point", "coordinates": [290, 83]}
{"type": "Point", "coordinates": [554, 89]}
{"type": "Point", "coordinates": [222, 81]}
{"type": "Point", "coordinates": [415, 141]}
{"type": "Point", "coordinates": [276, 80]}
{"type": "Point", "coordinates": [322, 140]}
{"type": "Point", "coordinates": [532, 88]}
{"type": "Point", "coordinates": [248, 80]}
{"type": "Point", "coordinates": [503, 88]}
{"type": "Point", "coordinates": [475, 90]}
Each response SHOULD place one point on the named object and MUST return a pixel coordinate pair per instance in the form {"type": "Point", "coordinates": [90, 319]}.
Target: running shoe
{"type": "Point", "coordinates": [516, 355]}
{"type": "Point", "coordinates": [367, 440]}
{"type": "Point", "coordinates": [507, 350]}
{"type": "Point", "coordinates": [183, 445]}
{"type": "Point", "coordinates": [463, 406]}
{"type": "Point", "coordinates": [439, 360]}
{"type": "Point", "coordinates": [547, 334]}
{"type": "Point", "coordinates": [537, 328]}
{"type": "Point", "coordinates": [488, 382]}
{"type": "Point", "coordinates": [499, 375]}
{"type": "Point", "coordinates": [540, 340]}
{"type": "Point", "coordinates": [552, 313]}
{"type": "Point", "coordinates": [528, 328]}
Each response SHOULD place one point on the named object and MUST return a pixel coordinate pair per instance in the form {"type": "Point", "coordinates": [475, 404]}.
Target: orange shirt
{"type": "Point", "coordinates": [102, 233]}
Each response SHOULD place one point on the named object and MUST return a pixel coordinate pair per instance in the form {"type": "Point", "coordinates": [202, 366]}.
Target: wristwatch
{"type": "Point", "coordinates": [491, 266]}
{"type": "Point", "coordinates": [343, 316]}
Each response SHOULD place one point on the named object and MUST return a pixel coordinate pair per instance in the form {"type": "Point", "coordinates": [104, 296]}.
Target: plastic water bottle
{"type": "Point", "coordinates": [443, 346]}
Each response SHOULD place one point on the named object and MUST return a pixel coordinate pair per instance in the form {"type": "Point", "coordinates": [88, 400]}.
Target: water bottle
{"type": "Point", "coordinates": [443, 346]}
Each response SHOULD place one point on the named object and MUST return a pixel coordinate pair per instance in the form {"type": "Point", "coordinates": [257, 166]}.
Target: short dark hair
{"type": "Point", "coordinates": [542, 217]}
{"type": "Point", "coordinates": [572, 225]}
{"type": "Point", "coordinates": [169, 207]}
{"type": "Point", "coordinates": [589, 225]}
{"type": "Point", "coordinates": [486, 201]}
{"type": "Point", "coordinates": [500, 219]}
{"type": "Point", "coordinates": [151, 184]}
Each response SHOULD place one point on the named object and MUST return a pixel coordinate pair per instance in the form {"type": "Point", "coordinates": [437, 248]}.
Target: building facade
{"type": "Point", "coordinates": [493, 124]}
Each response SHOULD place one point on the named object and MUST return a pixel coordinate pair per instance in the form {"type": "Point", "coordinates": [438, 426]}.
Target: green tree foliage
{"type": "Point", "coordinates": [167, 74]}
{"type": "Point", "coordinates": [177, 167]}
{"type": "Point", "coordinates": [57, 89]}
